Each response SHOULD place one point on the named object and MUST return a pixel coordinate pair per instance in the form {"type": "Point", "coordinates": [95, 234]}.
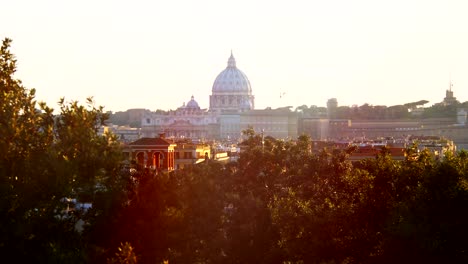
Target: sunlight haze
{"type": "Point", "coordinates": [157, 54]}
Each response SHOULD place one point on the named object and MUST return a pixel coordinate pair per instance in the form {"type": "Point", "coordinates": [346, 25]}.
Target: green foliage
{"type": "Point", "coordinates": [86, 158]}
{"type": "Point", "coordinates": [430, 225]}
{"type": "Point", "coordinates": [416, 104]}
{"type": "Point", "coordinates": [371, 112]}
{"type": "Point", "coordinates": [378, 112]}
{"type": "Point", "coordinates": [312, 111]}
{"type": "Point", "coordinates": [124, 255]}
{"type": "Point", "coordinates": [119, 118]}
{"type": "Point", "coordinates": [28, 197]}
{"type": "Point", "coordinates": [441, 111]}
{"type": "Point", "coordinates": [44, 161]}
{"type": "Point", "coordinates": [280, 202]}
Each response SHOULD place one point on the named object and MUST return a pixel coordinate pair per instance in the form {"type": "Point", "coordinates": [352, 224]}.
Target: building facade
{"type": "Point", "coordinates": [232, 110]}
{"type": "Point", "coordinates": [277, 123]}
{"type": "Point", "coordinates": [125, 134]}
{"type": "Point", "coordinates": [155, 153]}
{"type": "Point", "coordinates": [188, 121]}
{"type": "Point", "coordinates": [188, 153]}
{"type": "Point", "coordinates": [231, 96]}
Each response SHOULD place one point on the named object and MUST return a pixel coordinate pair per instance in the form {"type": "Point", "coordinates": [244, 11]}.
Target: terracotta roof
{"type": "Point", "coordinates": [150, 142]}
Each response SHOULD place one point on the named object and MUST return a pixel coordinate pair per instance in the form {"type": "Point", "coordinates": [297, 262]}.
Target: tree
{"type": "Point", "coordinates": [125, 255]}
{"type": "Point", "coordinates": [29, 193]}
{"type": "Point", "coordinates": [413, 105]}
{"type": "Point", "coordinates": [45, 161]}
{"type": "Point", "coordinates": [441, 111]}
{"type": "Point", "coordinates": [429, 223]}
{"type": "Point", "coordinates": [86, 158]}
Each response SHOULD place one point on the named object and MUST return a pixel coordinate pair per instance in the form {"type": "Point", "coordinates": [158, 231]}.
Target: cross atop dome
{"type": "Point", "coordinates": [231, 61]}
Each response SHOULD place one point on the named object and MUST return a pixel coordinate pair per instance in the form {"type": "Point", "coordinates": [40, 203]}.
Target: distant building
{"type": "Point", "coordinates": [372, 129]}
{"type": "Point", "coordinates": [315, 128]}
{"type": "Point", "coordinates": [337, 128]}
{"type": "Point", "coordinates": [370, 152]}
{"type": "Point", "coordinates": [449, 98]}
{"type": "Point", "coordinates": [189, 153]}
{"type": "Point", "coordinates": [188, 121]}
{"type": "Point", "coordinates": [332, 105]}
{"type": "Point", "coordinates": [135, 114]}
{"type": "Point", "coordinates": [232, 110]}
{"type": "Point", "coordinates": [231, 96]}
{"type": "Point", "coordinates": [125, 134]}
{"type": "Point", "coordinates": [229, 126]}
{"type": "Point", "coordinates": [277, 123]}
{"type": "Point", "coordinates": [437, 145]}
{"type": "Point", "coordinates": [395, 147]}
{"type": "Point", "coordinates": [461, 117]}
{"type": "Point", "coordinates": [155, 153]}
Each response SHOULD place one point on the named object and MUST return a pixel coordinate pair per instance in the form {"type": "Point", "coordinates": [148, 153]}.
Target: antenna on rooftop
{"type": "Point", "coordinates": [450, 84]}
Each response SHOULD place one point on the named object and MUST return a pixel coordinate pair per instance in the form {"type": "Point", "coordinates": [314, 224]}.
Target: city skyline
{"type": "Point", "coordinates": [156, 55]}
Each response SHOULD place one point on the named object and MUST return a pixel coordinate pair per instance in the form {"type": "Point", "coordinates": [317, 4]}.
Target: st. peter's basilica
{"type": "Point", "coordinates": [231, 97]}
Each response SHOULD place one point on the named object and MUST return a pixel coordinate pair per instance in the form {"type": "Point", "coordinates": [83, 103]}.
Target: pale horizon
{"type": "Point", "coordinates": [156, 55]}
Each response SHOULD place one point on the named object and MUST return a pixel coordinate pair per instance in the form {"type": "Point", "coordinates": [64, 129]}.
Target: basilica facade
{"type": "Point", "coordinates": [231, 96]}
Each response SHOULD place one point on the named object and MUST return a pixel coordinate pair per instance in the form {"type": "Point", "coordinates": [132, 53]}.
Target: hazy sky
{"type": "Point", "coordinates": [157, 54]}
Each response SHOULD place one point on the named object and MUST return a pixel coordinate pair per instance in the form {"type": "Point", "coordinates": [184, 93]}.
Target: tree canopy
{"type": "Point", "coordinates": [47, 160]}
{"type": "Point", "coordinates": [280, 202]}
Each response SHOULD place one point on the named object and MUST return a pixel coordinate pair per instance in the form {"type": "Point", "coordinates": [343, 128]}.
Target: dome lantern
{"type": "Point", "coordinates": [231, 61]}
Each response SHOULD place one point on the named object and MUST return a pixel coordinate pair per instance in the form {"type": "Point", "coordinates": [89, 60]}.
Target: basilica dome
{"type": "Point", "coordinates": [232, 80]}
{"type": "Point", "coordinates": [192, 104]}
{"type": "Point", "coordinates": [231, 90]}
